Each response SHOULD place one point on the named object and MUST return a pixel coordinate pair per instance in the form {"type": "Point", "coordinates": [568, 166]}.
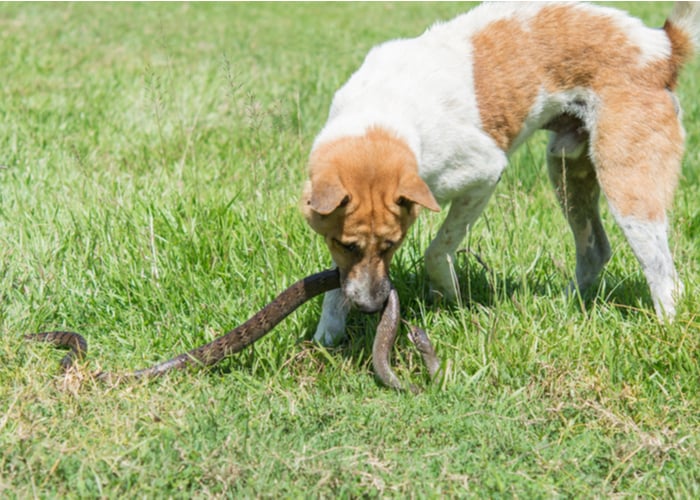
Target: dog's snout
{"type": "Point", "coordinates": [367, 296]}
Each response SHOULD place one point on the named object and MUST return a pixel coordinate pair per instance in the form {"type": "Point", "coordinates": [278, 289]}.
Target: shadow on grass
{"type": "Point", "coordinates": [629, 296]}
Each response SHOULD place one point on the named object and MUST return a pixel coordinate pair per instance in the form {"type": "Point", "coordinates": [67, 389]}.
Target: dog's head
{"type": "Point", "coordinates": [363, 194]}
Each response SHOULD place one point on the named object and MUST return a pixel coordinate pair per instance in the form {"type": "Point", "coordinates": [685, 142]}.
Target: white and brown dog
{"type": "Point", "coordinates": [431, 120]}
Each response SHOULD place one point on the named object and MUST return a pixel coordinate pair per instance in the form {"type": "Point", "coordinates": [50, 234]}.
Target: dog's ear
{"type": "Point", "coordinates": [325, 193]}
{"type": "Point", "coordinates": [412, 189]}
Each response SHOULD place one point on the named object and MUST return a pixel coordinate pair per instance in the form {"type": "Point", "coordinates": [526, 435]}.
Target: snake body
{"type": "Point", "coordinates": [75, 342]}
{"type": "Point", "coordinates": [213, 352]}
{"type": "Point", "coordinates": [255, 328]}
{"type": "Point", "coordinates": [386, 337]}
{"type": "Point", "coordinates": [384, 340]}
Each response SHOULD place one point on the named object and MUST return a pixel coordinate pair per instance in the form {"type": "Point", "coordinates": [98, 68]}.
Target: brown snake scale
{"type": "Point", "coordinates": [256, 327]}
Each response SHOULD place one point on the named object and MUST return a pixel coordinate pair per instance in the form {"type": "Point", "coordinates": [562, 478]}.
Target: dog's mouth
{"type": "Point", "coordinates": [367, 297]}
{"type": "Point", "coordinates": [369, 308]}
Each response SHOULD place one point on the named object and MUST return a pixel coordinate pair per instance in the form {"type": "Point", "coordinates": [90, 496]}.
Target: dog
{"type": "Point", "coordinates": [432, 120]}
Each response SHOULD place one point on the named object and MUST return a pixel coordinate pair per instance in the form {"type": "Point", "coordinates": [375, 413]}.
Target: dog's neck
{"type": "Point", "coordinates": [357, 125]}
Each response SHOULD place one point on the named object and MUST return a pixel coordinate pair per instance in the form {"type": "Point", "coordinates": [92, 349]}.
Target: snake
{"type": "Point", "coordinates": [384, 340]}
{"type": "Point", "coordinates": [256, 327]}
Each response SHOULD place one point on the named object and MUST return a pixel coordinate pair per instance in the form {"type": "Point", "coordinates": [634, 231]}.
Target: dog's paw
{"type": "Point", "coordinates": [665, 300]}
{"type": "Point", "coordinates": [439, 295]}
{"type": "Point", "coordinates": [331, 329]}
{"type": "Point", "coordinates": [442, 277]}
{"type": "Point", "coordinates": [444, 288]}
{"type": "Point", "coordinates": [577, 292]}
{"type": "Point", "coordinates": [330, 335]}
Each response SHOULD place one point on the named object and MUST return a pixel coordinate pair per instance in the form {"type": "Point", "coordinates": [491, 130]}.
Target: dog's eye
{"type": "Point", "coordinates": [348, 247]}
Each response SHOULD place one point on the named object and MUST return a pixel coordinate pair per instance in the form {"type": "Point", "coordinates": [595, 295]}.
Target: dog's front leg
{"type": "Point", "coordinates": [439, 257]}
{"type": "Point", "coordinates": [331, 327]}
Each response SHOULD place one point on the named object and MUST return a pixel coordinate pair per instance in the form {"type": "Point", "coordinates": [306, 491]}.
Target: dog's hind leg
{"type": "Point", "coordinates": [574, 179]}
{"type": "Point", "coordinates": [637, 149]}
{"type": "Point", "coordinates": [649, 241]}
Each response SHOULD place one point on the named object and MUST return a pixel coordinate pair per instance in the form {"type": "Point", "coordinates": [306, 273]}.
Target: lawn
{"type": "Point", "coordinates": [151, 163]}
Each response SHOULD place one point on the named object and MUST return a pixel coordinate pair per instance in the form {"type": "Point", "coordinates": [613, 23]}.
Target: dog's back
{"type": "Point", "coordinates": [462, 96]}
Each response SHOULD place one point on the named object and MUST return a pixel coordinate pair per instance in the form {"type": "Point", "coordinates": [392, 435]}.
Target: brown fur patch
{"type": "Point", "coordinates": [506, 86]}
{"type": "Point", "coordinates": [514, 58]}
{"type": "Point", "coordinates": [637, 152]}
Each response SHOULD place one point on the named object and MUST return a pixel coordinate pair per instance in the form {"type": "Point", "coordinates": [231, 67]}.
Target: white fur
{"type": "Point", "coordinates": [649, 242]}
{"type": "Point", "coordinates": [331, 327]}
{"type": "Point", "coordinates": [421, 89]}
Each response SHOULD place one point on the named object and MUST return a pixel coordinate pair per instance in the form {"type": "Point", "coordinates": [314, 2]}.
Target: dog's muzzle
{"type": "Point", "coordinates": [367, 297]}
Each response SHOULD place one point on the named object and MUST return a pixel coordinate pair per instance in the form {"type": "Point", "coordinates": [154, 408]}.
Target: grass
{"type": "Point", "coordinates": [152, 157]}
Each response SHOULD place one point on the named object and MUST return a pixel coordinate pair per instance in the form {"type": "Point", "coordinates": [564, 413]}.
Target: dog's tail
{"type": "Point", "coordinates": [683, 30]}
{"type": "Point", "coordinates": [685, 17]}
